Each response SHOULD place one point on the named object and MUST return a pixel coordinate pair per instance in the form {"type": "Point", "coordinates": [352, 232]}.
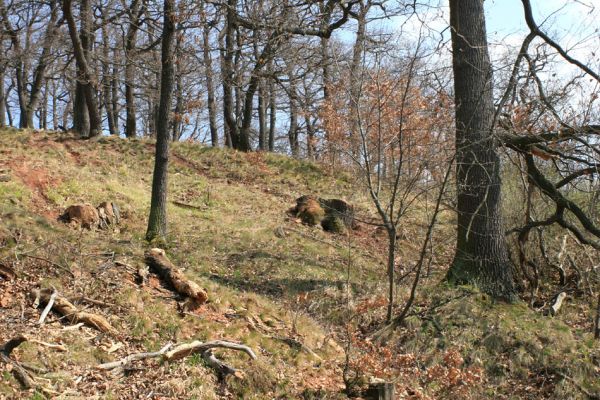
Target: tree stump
{"type": "Point", "coordinates": [380, 391]}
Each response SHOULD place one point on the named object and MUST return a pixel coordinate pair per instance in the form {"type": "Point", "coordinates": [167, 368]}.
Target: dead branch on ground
{"type": "Point", "coordinates": [175, 352]}
{"type": "Point", "coordinates": [72, 313]}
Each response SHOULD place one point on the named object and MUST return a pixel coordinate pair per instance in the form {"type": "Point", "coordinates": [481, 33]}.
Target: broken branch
{"type": "Point", "coordinates": [72, 313]}
{"type": "Point", "coordinates": [170, 353]}
{"type": "Point", "coordinates": [48, 307]}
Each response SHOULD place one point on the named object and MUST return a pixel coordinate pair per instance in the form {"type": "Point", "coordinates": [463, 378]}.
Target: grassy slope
{"type": "Point", "coordinates": [257, 279]}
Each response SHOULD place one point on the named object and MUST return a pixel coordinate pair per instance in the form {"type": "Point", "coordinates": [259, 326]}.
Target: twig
{"type": "Point", "coordinates": [189, 206]}
{"type": "Point", "coordinates": [48, 307]}
{"type": "Point", "coordinates": [73, 327]}
{"type": "Point", "coordinates": [100, 303]}
{"type": "Point", "coordinates": [583, 390]}
{"type": "Point", "coordinates": [58, 347]}
{"type": "Point", "coordinates": [59, 266]}
{"type": "Point", "coordinates": [296, 344]}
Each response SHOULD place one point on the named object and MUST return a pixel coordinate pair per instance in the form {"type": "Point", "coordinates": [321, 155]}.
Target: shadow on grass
{"type": "Point", "coordinates": [275, 287]}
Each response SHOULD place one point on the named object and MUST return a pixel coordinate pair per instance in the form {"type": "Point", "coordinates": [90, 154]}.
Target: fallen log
{"type": "Point", "coordinates": [158, 261]}
{"type": "Point", "coordinates": [72, 313]}
{"type": "Point", "coordinates": [173, 353]}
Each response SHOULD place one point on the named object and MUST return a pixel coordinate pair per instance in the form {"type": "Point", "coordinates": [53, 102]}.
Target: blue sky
{"type": "Point", "coordinates": [574, 23]}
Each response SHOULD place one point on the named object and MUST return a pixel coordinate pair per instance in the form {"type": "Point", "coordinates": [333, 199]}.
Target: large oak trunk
{"type": "Point", "coordinates": [481, 253]}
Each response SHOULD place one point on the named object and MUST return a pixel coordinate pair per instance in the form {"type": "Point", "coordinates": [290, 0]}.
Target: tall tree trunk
{"type": "Point", "coordinates": [107, 83]}
{"type": "Point", "coordinates": [40, 71]}
{"type": "Point", "coordinates": [135, 13]}
{"type": "Point", "coordinates": [44, 108]}
{"type": "Point", "coordinates": [293, 129]}
{"type": "Point", "coordinates": [20, 67]}
{"type": "Point", "coordinates": [114, 95]}
{"type": "Point", "coordinates": [262, 117]}
{"type": "Point", "coordinates": [55, 107]}
{"type": "Point", "coordinates": [310, 137]}
{"type": "Point", "coordinates": [356, 76]}
{"type": "Point", "coordinates": [261, 107]}
{"type": "Point", "coordinates": [82, 65]}
{"type": "Point", "coordinates": [81, 117]}
{"type": "Point", "coordinates": [2, 99]}
{"type": "Point", "coordinates": [248, 106]}
{"type": "Point", "coordinates": [481, 253]}
{"type": "Point", "coordinates": [231, 126]}
{"type": "Point", "coordinates": [272, 114]}
{"type": "Point", "coordinates": [210, 86]}
{"type": "Point", "coordinates": [226, 108]}
{"type": "Point", "coordinates": [157, 221]}
{"type": "Point", "coordinates": [177, 124]}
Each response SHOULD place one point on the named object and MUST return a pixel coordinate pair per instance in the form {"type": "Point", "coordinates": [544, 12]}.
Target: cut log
{"type": "Point", "coordinates": [158, 261]}
{"type": "Point", "coordinates": [72, 313]}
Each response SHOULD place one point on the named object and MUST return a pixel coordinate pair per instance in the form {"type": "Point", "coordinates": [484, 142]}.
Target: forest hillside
{"type": "Point", "coordinates": [307, 303]}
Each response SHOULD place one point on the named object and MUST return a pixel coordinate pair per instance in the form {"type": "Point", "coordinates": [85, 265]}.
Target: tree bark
{"type": "Point", "coordinates": [107, 82]}
{"type": "Point", "coordinates": [231, 127]}
{"type": "Point", "coordinates": [2, 99]}
{"type": "Point", "coordinates": [157, 221]}
{"type": "Point", "coordinates": [356, 78]}
{"type": "Point", "coordinates": [272, 114]}
{"type": "Point", "coordinates": [262, 117]}
{"type": "Point", "coordinates": [84, 75]}
{"type": "Point", "coordinates": [81, 122]}
{"type": "Point", "coordinates": [210, 85]}
{"type": "Point", "coordinates": [177, 122]}
{"type": "Point", "coordinates": [40, 70]}
{"type": "Point", "coordinates": [481, 253]}
{"type": "Point", "coordinates": [135, 13]}
{"type": "Point", "coordinates": [293, 129]}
